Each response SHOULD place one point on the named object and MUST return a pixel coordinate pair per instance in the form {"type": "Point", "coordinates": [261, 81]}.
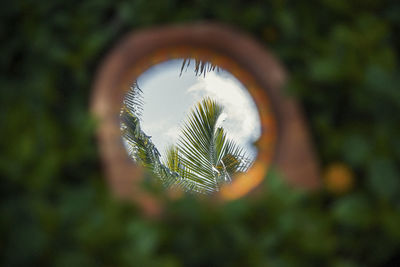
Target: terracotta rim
{"type": "Point", "coordinates": [250, 63]}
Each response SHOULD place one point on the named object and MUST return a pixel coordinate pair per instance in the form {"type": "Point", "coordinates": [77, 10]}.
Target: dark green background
{"type": "Point", "coordinates": [343, 57]}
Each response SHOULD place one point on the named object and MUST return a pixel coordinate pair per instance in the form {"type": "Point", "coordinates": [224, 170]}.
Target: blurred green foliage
{"type": "Point", "coordinates": [56, 210]}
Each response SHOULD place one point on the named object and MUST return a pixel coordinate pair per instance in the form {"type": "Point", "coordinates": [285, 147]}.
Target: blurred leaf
{"type": "Point", "coordinates": [356, 149]}
{"type": "Point", "coordinates": [383, 178]}
{"type": "Point", "coordinates": [353, 211]}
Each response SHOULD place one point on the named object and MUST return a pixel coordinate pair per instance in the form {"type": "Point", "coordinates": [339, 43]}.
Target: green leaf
{"type": "Point", "coordinates": [383, 179]}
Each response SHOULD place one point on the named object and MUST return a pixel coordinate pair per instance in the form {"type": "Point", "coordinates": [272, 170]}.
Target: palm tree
{"type": "Point", "coordinates": [203, 158]}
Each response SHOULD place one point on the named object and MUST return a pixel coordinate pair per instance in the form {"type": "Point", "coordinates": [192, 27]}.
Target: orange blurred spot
{"type": "Point", "coordinates": [338, 178]}
{"type": "Point", "coordinates": [245, 182]}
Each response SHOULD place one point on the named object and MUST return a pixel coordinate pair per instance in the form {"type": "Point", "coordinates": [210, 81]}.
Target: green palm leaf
{"type": "Point", "coordinates": [210, 157]}
{"type": "Point", "coordinates": [142, 150]}
{"type": "Point", "coordinates": [201, 67]}
{"type": "Point", "coordinates": [202, 160]}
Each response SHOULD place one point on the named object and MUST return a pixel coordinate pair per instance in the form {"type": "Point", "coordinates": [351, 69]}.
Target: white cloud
{"type": "Point", "coordinates": [172, 133]}
{"type": "Point", "coordinates": [241, 119]}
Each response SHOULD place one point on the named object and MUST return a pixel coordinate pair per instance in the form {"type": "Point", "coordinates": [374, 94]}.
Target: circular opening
{"type": "Point", "coordinates": [249, 63]}
{"type": "Point", "coordinates": [191, 123]}
{"type": "Point", "coordinates": [188, 80]}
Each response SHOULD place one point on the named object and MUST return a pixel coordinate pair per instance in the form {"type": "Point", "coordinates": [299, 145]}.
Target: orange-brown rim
{"type": "Point", "coordinates": [249, 62]}
{"type": "Point", "coordinates": [242, 184]}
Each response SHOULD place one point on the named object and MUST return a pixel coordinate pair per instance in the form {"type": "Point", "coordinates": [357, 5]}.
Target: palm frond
{"type": "Point", "coordinates": [202, 160]}
{"type": "Point", "coordinates": [210, 157]}
{"type": "Point", "coordinates": [133, 100]}
{"type": "Point", "coordinates": [201, 67]}
{"type": "Point", "coordinates": [142, 150]}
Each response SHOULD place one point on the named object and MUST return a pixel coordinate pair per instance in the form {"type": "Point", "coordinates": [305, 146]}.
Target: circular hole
{"type": "Point", "coordinates": [284, 141]}
{"type": "Point", "coordinates": [191, 123]}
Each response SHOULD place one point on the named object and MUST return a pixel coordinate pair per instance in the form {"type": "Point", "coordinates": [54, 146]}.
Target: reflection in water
{"type": "Point", "coordinates": [199, 115]}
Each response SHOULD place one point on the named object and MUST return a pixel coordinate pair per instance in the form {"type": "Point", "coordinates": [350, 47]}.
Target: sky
{"type": "Point", "coordinates": [169, 97]}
